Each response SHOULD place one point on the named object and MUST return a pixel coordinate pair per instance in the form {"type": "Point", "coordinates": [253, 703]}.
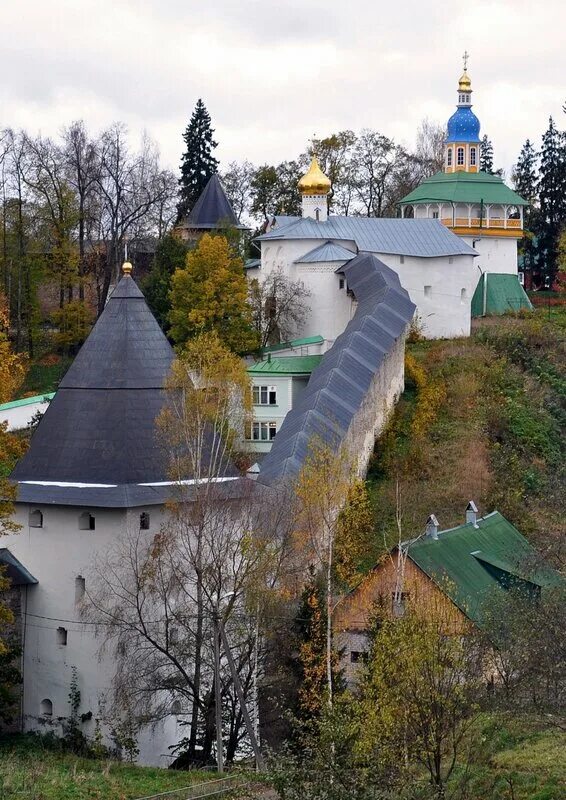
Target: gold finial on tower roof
{"type": "Point", "coordinates": [127, 268]}
{"type": "Point", "coordinates": [314, 181]}
{"type": "Point", "coordinates": [465, 84]}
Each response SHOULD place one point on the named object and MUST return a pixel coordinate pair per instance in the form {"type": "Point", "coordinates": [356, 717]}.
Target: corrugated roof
{"type": "Point", "coordinates": [423, 238]}
{"type": "Point", "coordinates": [273, 348]}
{"type": "Point", "coordinates": [99, 429]}
{"type": "Point", "coordinates": [286, 365]}
{"type": "Point", "coordinates": [504, 293]}
{"type": "Point", "coordinates": [326, 252]}
{"type": "Point", "coordinates": [454, 561]}
{"type": "Point", "coordinates": [464, 187]}
{"type": "Point", "coordinates": [338, 386]}
{"type": "Point", "coordinates": [212, 209]}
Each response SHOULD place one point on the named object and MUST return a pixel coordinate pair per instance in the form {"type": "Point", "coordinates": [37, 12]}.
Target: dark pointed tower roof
{"type": "Point", "coordinates": [212, 209]}
{"type": "Point", "coordinates": [98, 433]}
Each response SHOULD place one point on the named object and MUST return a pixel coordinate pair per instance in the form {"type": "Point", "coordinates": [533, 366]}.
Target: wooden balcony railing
{"type": "Point", "coordinates": [474, 222]}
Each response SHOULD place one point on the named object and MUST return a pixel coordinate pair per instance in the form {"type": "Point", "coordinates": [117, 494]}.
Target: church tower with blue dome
{"type": "Point", "coordinates": [463, 131]}
{"type": "Point", "coordinates": [477, 206]}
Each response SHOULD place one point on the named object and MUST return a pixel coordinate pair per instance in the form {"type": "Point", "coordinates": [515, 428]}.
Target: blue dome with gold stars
{"type": "Point", "coordinates": [463, 126]}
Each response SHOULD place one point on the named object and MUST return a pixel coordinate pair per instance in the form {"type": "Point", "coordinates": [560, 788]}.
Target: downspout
{"type": "Point", "coordinates": [484, 294]}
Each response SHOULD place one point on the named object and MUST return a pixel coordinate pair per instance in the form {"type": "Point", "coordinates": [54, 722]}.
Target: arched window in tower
{"type": "Point", "coordinates": [472, 156]}
{"type": "Point", "coordinates": [460, 157]}
{"type": "Point", "coordinates": [46, 708]}
{"type": "Point", "coordinates": [449, 157]}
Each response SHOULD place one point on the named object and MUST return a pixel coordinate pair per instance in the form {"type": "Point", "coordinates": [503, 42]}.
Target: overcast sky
{"type": "Point", "coordinates": [273, 74]}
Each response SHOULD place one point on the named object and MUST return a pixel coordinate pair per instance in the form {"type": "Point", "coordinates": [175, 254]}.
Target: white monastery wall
{"type": "Point", "coordinates": [330, 306]}
{"type": "Point", "coordinates": [56, 555]}
{"type": "Point", "coordinates": [373, 414]}
{"type": "Point", "coordinates": [441, 288]}
{"type": "Point", "coordinates": [496, 254]}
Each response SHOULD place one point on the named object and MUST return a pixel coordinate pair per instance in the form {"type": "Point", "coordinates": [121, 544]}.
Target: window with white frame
{"type": "Point", "coordinates": [435, 214]}
{"type": "Point", "coordinates": [263, 431]}
{"type": "Point", "coordinates": [264, 396]}
{"type": "Point", "coordinates": [472, 156]}
{"type": "Point", "coordinates": [449, 157]}
{"type": "Point", "coordinates": [460, 157]}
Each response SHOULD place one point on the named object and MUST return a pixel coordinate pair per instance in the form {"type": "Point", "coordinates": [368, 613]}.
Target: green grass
{"type": "Point", "coordinates": [497, 434]}
{"type": "Point", "coordinates": [31, 771]}
{"type": "Point", "coordinates": [516, 758]}
{"type": "Point", "coordinates": [45, 376]}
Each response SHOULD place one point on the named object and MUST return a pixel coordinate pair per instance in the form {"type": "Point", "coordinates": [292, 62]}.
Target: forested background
{"type": "Point", "coordinates": [75, 205]}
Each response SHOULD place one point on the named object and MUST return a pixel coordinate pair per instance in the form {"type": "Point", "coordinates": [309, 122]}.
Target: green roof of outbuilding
{"type": "Point", "coordinates": [28, 401]}
{"type": "Point", "coordinates": [286, 365]}
{"type": "Point", "coordinates": [273, 348]}
{"type": "Point", "coordinates": [459, 561]}
{"type": "Point", "coordinates": [504, 293]}
{"type": "Point", "coordinates": [464, 187]}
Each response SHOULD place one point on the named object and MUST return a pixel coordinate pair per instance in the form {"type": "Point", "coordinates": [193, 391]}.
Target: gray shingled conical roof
{"type": "Point", "coordinates": [212, 209]}
{"type": "Point", "coordinates": [100, 426]}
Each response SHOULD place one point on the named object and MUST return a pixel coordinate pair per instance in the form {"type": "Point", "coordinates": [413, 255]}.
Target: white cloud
{"type": "Point", "coordinates": [273, 74]}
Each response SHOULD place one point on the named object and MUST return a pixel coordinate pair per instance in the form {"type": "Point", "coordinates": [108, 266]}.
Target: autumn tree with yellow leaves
{"type": "Point", "coordinates": [210, 294]}
{"type": "Point", "coordinates": [12, 370]}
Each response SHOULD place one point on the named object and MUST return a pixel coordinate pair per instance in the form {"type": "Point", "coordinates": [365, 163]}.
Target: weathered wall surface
{"type": "Point", "coordinates": [56, 555]}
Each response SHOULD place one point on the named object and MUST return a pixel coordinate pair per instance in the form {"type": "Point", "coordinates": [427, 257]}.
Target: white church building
{"type": "Point", "coordinates": [434, 265]}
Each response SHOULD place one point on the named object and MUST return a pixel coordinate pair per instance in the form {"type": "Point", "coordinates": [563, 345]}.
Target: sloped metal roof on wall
{"type": "Point", "coordinates": [339, 384]}
{"type": "Point", "coordinates": [326, 252]}
{"type": "Point", "coordinates": [423, 238]}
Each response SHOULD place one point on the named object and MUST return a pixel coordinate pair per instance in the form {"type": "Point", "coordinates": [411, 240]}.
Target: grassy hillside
{"type": "Point", "coordinates": [30, 770]}
{"type": "Point", "coordinates": [482, 418]}
{"type": "Point", "coordinates": [515, 758]}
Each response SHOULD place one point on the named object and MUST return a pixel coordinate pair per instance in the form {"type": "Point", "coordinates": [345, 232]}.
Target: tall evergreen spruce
{"type": "Point", "coordinates": [552, 197]}
{"type": "Point", "coordinates": [198, 164]}
{"type": "Point", "coordinates": [525, 179]}
{"type": "Point", "coordinates": [486, 156]}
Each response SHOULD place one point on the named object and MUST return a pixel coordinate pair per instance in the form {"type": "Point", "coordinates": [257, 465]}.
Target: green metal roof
{"type": "Point", "coordinates": [27, 401]}
{"type": "Point", "coordinates": [504, 293]}
{"type": "Point", "coordinates": [464, 187]}
{"type": "Point", "coordinates": [286, 365]}
{"type": "Point", "coordinates": [457, 560]}
{"type": "Point", "coordinates": [273, 348]}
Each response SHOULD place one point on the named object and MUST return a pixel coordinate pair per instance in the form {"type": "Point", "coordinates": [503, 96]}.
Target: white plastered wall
{"type": "Point", "coordinates": [56, 555]}
{"type": "Point", "coordinates": [444, 306]}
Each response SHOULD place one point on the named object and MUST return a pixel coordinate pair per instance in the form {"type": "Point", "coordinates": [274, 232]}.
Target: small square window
{"type": "Point", "coordinates": [435, 214]}
{"type": "Point", "coordinates": [358, 656]}
{"type": "Point", "coordinates": [341, 283]}
{"type": "Point", "coordinates": [36, 519]}
{"type": "Point", "coordinates": [144, 521]}
{"type": "Point", "coordinates": [62, 636]}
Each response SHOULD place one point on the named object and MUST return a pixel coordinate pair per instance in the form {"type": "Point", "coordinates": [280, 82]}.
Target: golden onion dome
{"type": "Point", "coordinates": [314, 181]}
{"type": "Point", "coordinates": [465, 84]}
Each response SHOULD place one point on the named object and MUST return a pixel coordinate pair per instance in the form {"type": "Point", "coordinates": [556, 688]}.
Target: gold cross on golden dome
{"type": "Point", "coordinates": [465, 58]}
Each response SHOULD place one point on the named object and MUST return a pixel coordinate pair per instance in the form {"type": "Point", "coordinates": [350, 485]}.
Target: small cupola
{"type": "Point", "coordinates": [432, 526]}
{"type": "Point", "coordinates": [314, 187]}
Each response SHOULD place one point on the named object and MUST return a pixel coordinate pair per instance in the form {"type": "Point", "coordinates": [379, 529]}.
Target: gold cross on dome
{"type": "Point", "coordinates": [465, 58]}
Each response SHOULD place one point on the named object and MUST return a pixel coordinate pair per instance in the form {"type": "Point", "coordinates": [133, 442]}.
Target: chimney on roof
{"type": "Point", "coordinates": [431, 529]}
{"type": "Point", "coordinates": [472, 513]}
